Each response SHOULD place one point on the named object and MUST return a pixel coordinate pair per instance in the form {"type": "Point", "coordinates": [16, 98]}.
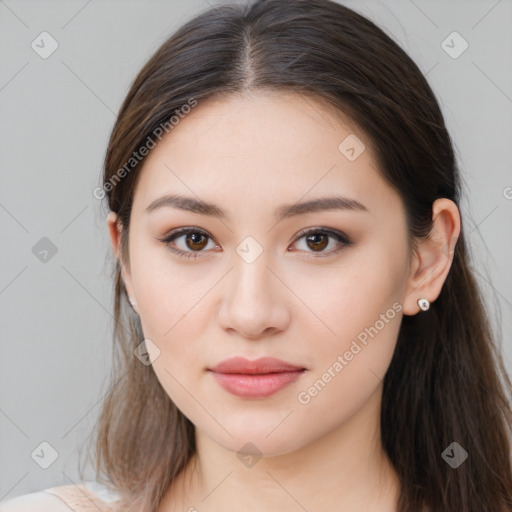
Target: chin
{"type": "Point", "coordinates": [258, 443]}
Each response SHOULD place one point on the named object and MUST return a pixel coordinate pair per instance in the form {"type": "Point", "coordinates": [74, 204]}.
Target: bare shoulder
{"type": "Point", "coordinates": [64, 498]}
{"type": "Point", "coordinates": [40, 501]}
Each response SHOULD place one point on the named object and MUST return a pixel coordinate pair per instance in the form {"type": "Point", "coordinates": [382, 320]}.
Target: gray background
{"type": "Point", "coordinates": [56, 116]}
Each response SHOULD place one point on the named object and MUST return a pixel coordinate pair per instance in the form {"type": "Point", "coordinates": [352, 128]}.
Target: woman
{"type": "Point", "coordinates": [297, 322]}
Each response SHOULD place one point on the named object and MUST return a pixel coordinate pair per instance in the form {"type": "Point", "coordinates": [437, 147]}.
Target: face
{"type": "Point", "coordinates": [320, 289]}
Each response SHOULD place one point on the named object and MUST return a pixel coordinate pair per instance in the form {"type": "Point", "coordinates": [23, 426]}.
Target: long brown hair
{"type": "Point", "coordinates": [446, 382]}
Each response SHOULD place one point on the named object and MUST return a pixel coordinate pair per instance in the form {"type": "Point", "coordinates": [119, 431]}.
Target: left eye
{"type": "Point", "coordinates": [319, 238]}
{"type": "Point", "coordinates": [196, 240]}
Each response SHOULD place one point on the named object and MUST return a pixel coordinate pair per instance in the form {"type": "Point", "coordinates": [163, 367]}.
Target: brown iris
{"type": "Point", "coordinates": [320, 241]}
{"type": "Point", "coordinates": [197, 239]}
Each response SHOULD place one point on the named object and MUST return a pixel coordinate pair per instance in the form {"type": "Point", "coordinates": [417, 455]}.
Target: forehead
{"type": "Point", "coordinates": [257, 149]}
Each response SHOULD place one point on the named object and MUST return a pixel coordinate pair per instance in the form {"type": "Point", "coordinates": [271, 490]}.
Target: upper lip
{"type": "Point", "coordinates": [257, 366]}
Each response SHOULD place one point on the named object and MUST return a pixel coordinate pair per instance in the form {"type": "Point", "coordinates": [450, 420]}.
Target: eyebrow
{"type": "Point", "coordinates": [200, 207]}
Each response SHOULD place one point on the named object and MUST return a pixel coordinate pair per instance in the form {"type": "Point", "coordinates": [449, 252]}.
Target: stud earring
{"type": "Point", "coordinates": [424, 304]}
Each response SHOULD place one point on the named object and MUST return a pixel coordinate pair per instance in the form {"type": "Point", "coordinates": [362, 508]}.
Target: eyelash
{"type": "Point", "coordinates": [173, 235]}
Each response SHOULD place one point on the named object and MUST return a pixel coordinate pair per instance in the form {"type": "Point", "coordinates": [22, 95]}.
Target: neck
{"type": "Point", "coordinates": [345, 470]}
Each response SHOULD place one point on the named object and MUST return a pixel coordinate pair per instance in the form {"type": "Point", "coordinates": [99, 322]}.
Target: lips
{"type": "Point", "coordinates": [255, 379]}
{"type": "Point", "coordinates": [258, 366]}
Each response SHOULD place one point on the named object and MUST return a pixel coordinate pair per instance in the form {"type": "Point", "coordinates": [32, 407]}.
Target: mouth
{"type": "Point", "coordinates": [255, 379]}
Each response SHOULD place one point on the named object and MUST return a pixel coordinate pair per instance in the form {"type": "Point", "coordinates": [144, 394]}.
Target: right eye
{"type": "Point", "coordinates": [194, 239]}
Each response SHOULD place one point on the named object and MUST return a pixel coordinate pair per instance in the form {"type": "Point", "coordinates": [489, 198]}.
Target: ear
{"type": "Point", "coordinates": [115, 229]}
{"type": "Point", "coordinates": [433, 256]}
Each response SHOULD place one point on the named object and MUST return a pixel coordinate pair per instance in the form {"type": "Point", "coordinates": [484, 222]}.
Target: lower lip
{"type": "Point", "coordinates": [256, 386]}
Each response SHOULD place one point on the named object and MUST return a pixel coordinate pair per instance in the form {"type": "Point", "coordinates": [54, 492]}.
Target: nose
{"type": "Point", "coordinates": [255, 301]}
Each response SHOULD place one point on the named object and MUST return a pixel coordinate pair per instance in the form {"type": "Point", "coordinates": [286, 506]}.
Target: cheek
{"type": "Point", "coordinates": [174, 308]}
{"type": "Point", "coordinates": [345, 299]}
{"type": "Point", "coordinates": [350, 370]}
{"type": "Point", "coordinates": [168, 292]}
{"type": "Point", "coordinates": [361, 306]}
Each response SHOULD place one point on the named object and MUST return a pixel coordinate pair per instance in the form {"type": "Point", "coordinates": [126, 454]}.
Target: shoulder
{"type": "Point", "coordinates": [40, 501]}
{"type": "Point", "coordinates": [65, 498]}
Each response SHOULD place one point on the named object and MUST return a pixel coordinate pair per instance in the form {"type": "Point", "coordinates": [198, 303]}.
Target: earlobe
{"type": "Point", "coordinates": [433, 258]}
{"type": "Point", "coordinates": [115, 238]}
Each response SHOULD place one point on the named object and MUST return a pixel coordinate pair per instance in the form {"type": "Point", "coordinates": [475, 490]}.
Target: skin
{"type": "Point", "coordinates": [250, 154]}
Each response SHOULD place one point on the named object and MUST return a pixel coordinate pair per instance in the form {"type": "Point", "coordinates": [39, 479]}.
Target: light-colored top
{"type": "Point", "coordinates": [89, 496]}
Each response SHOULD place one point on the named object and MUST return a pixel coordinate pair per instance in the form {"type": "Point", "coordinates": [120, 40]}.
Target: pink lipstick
{"type": "Point", "coordinates": [255, 379]}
